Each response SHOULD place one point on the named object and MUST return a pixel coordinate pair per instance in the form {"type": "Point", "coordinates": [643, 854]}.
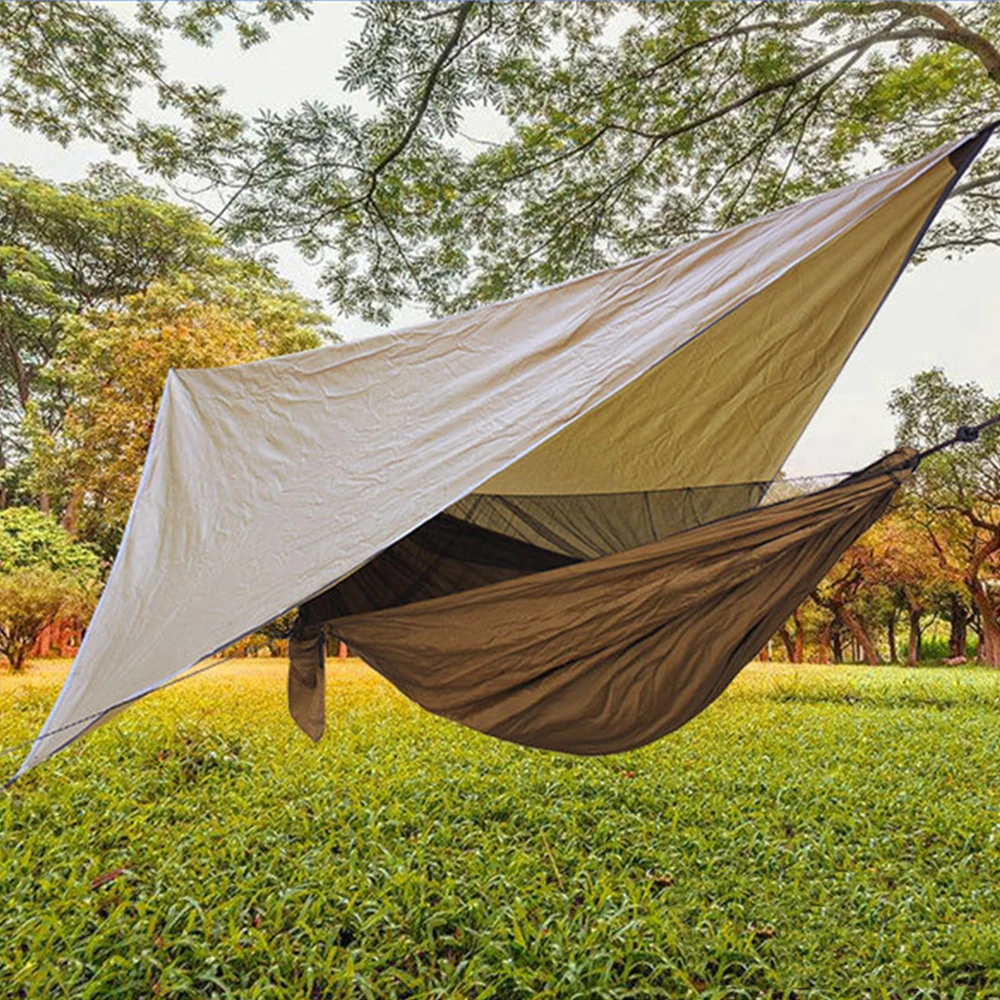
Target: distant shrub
{"type": "Point", "coordinates": [29, 538]}
{"type": "Point", "coordinates": [44, 575]}
{"type": "Point", "coordinates": [32, 598]}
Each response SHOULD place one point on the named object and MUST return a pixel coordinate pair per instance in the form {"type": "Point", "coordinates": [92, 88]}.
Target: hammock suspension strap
{"type": "Point", "coordinates": [966, 434]}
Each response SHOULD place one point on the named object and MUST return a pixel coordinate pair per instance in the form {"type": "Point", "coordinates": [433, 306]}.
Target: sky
{"type": "Point", "coordinates": [942, 313]}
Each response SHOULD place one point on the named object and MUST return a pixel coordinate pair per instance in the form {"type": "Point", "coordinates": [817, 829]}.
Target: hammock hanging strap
{"type": "Point", "coordinates": [963, 435]}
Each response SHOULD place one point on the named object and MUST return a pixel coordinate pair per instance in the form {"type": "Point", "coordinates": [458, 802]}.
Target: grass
{"type": "Point", "coordinates": [819, 832]}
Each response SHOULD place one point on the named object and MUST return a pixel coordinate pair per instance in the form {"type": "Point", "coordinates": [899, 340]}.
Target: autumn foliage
{"type": "Point", "coordinates": [112, 367]}
{"type": "Point", "coordinates": [930, 569]}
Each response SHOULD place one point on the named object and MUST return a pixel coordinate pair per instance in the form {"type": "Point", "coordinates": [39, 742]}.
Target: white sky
{"type": "Point", "coordinates": [943, 313]}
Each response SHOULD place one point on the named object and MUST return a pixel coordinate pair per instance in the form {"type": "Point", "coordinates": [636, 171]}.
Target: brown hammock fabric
{"type": "Point", "coordinates": [607, 655]}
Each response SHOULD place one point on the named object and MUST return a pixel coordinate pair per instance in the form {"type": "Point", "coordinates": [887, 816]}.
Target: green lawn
{"type": "Point", "coordinates": [819, 832]}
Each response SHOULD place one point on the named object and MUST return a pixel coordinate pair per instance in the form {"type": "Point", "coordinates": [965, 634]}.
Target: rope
{"type": "Point", "coordinates": [963, 435]}
{"type": "Point", "coordinates": [27, 744]}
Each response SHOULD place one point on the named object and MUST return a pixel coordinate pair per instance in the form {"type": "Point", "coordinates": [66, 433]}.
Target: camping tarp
{"type": "Point", "coordinates": [583, 419]}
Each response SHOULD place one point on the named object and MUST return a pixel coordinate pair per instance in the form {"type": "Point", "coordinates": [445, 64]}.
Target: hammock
{"type": "Point", "coordinates": [537, 518]}
{"type": "Point", "coordinates": [593, 657]}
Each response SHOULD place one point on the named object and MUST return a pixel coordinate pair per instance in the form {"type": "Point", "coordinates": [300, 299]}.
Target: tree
{"type": "Point", "coordinates": [922, 557]}
{"type": "Point", "coordinates": [792, 636]}
{"type": "Point", "coordinates": [907, 565]}
{"type": "Point", "coordinates": [805, 635]}
{"type": "Point", "coordinates": [902, 564]}
{"type": "Point", "coordinates": [627, 127]}
{"type": "Point", "coordinates": [44, 574]}
{"type": "Point", "coordinates": [74, 257]}
{"type": "Point", "coordinates": [70, 70]}
{"type": "Point", "coordinates": [839, 591]}
{"type": "Point", "coordinates": [86, 246]}
{"type": "Point", "coordinates": [959, 489]}
{"type": "Point", "coordinates": [30, 600]}
{"type": "Point", "coordinates": [111, 368]}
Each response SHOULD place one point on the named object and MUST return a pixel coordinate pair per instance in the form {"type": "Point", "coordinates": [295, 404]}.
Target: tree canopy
{"type": "Point", "coordinates": [957, 491]}
{"type": "Point", "coordinates": [71, 70]}
{"type": "Point", "coordinates": [31, 539]}
{"type": "Point", "coordinates": [623, 127]}
{"type": "Point", "coordinates": [111, 367]}
{"type": "Point", "coordinates": [76, 264]}
{"type": "Point", "coordinates": [81, 246]}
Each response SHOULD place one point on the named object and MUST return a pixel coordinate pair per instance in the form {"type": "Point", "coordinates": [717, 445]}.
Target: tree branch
{"type": "Point", "coordinates": [975, 184]}
{"type": "Point", "coordinates": [397, 149]}
{"type": "Point", "coordinates": [854, 49]}
{"type": "Point", "coordinates": [953, 31]}
{"type": "Point", "coordinates": [425, 97]}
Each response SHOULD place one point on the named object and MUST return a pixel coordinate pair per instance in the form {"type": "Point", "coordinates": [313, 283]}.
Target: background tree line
{"type": "Point", "coordinates": [104, 286]}
{"type": "Point", "coordinates": [933, 560]}
{"type": "Point", "coordinates": [621, 128]}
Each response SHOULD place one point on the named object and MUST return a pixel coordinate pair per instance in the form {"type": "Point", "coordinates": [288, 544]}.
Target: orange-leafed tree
{"type": "Point", "coordinates": [840, 595]}
{"type": "Point", "coordinates": [910, 569]}
{"type": "Point", "coordinates": [110, 371]}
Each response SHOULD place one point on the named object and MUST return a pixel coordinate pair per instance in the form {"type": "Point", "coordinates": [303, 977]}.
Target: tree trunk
{"type": "Point", "coordinates": [913, 653]}
{"type": "Point", "coordinates": [22, 377]}
{"type": "Point", "coordinates": [977, 633]}
{"type": "Point", "coordinates": [989, 647]}
{"type": "Point", "coordinates": [800, 638]}
{"type": "Point", "coordinates": [786, 638]}
{"type": "Point", "coordinates": [794, 642]}
{"type": "Point", "coordinates": [823, 654]}
{"type": "Point", "coordinates": [962, 638]}
{"type": "Point", "coordinates": [860, 635]}
{"type": "Point", "coordinates": [836, 643]}
{"type": "Point", "coordinates": [891, 631]}
{"type": "Point", "coordinates": [959, 638]}
{"type": "Point", "coordinates": [16, 654]}
{"type": "Point", "coordinates": [3, 469]}
{"type": "Point", "coordinates": [71, 515]}
{"type": "Point", "coordinates": [989, 627]}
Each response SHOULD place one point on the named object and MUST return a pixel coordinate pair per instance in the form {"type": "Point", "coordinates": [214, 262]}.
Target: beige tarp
{"type": "Point", "coordinates": [679, 377]}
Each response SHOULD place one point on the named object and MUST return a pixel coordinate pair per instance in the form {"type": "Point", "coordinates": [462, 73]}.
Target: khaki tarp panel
{"type": "Point", "coordinates": [587, 526]}
{"type": "Point", "coordinates": [611, 654]}
{"type": "Point", "coordinates": [266, 483]}
{"type": "Point", "coordinates": [757, 376]}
